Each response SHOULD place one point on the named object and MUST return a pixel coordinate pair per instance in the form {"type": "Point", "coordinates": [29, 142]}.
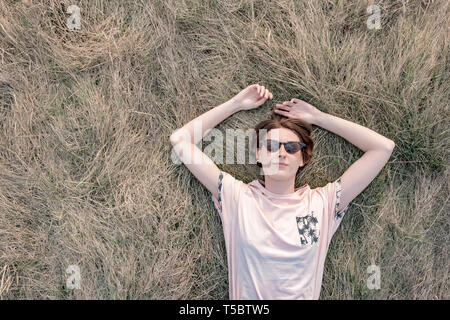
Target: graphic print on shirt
{"type": "Point", "coordinates": [338, 199]}
{"type": "Point", "coordinates": [219, 188]}
{"type": "Point", "coordinates": [308, 228]}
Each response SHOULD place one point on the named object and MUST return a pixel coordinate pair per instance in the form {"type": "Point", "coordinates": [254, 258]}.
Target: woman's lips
{"type": "Point", "coordinates": [282, 165]}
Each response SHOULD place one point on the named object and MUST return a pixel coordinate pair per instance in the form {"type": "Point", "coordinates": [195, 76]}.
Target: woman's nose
{"type": "Point", "coordinates": [284, 150]}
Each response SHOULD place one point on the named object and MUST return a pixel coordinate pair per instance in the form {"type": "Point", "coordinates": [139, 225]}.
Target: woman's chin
{"type": "Point", "coordinates": [276, 171]}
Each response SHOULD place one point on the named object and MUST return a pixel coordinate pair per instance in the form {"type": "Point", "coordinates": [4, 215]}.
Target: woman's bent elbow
{"type": "Point", "coordinates": [179, 135]}
{"type": "Point", "coordinates": [392, 145]}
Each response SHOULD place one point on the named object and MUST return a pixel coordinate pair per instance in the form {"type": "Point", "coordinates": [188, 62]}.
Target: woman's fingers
{"type": "Point", "coordinates": [268, 94]}
{"type": "Point", "coordinates": [283, 106]}
{"type": "Point", "coordinates": [286, 104]}
{"type": "Point", "coordinates": [263, 92]}
{"type": "Point", "coordinates": [283, 113]}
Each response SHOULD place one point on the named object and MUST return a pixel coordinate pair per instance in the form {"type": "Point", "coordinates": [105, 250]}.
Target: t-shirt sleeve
{"type": "Point", "coordinates": [332, 193]}
{"type": "Point", "coordinates": [229, 193]}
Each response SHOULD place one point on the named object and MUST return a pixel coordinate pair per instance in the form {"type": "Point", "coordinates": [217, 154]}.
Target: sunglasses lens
{"type": "Point", "coordinates": [272, 145]}
{"type": "Point", "coordinates": [292, 147]}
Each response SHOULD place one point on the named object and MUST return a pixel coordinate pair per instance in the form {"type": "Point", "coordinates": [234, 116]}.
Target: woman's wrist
{"type": "Point", "coordinates": [319, 118]}
{"type": "Point", "coordinates": [233, 105]}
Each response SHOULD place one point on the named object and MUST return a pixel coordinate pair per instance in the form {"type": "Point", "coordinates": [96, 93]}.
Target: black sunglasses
{"type": "Point", "coordinates": [290, 147]}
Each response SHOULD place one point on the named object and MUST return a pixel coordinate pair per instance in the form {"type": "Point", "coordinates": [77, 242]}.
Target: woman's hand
{"type": "Point", "coordinates": [298, 109]}
{"type": "Point", "coordinates": [252, 97]}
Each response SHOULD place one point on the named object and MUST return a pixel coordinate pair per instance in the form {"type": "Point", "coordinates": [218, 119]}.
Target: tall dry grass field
{"type": "Point", "coordinates": [86, 176]}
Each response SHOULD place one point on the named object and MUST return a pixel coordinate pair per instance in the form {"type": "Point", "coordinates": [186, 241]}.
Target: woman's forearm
{"type": "Point", "coordinates": [362, 137]}
{"type": "Point", "coordinates": [197, 128]}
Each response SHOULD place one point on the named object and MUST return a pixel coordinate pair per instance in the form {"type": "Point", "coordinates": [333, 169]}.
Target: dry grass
{"type": "Point", "coordinates": [86, 115]}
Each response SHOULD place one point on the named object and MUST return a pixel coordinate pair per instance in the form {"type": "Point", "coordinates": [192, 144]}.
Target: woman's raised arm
{"type": "Point", "coordinates": [377, 148]}
{"type": "Point", "coordinates": [184, 140]}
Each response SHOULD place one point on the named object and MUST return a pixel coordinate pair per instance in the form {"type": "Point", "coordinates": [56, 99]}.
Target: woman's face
{"type": "Point", "coordinates": [272, 160]}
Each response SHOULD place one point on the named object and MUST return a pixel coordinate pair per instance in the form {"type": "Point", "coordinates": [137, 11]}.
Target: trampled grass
{"type": "Point", "coordinates": [86, 176]}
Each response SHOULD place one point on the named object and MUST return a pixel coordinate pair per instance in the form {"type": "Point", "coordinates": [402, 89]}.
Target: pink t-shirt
{"type": "Point", "coordinates": [276, 244]}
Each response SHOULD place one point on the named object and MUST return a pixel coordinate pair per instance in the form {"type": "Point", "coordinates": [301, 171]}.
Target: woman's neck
{"type": "Point", "coordinates": [280, 187]}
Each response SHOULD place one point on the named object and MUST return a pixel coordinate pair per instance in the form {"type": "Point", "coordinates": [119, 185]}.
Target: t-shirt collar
{"type": "Point", "coordinates": [260, 184]}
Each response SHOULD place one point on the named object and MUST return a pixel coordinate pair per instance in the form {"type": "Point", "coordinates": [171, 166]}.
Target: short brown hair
{"type": "Point", "coordinates": [300, 127]}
